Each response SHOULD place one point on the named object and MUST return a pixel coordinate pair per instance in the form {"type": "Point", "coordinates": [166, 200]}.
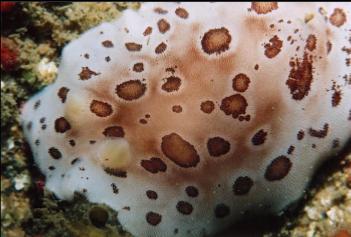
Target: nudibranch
{"type": "Point", "coordinates": [186, 117]}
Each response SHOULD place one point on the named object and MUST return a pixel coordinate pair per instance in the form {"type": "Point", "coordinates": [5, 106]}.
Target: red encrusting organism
{"type": "Point", "coordinates": [9, 56]}
{"type": "Point", "coordinates": [6, 6]}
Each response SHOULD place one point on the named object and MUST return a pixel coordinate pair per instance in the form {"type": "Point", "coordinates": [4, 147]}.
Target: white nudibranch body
{"type": "Point", "coordinates": [186, 117]}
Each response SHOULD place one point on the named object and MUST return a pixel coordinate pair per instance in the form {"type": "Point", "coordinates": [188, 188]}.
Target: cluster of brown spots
{"type": "Point", "coordinates": [246, 117]}
{"type": "Point", "coordinates": [177, 108]}
{"type": "Point", "coordinates": [153, 218]}
{"type": "Point", "coordinates": [216, 41]}
{"type": "Point", "coordinates": [300, 135]}
{"type": "Point", "coordinates": [273, 47]}
{"type": "Point", "coordinates": [36, 104]}
{"type": "Point", "coordinates": [100, 108]}
{"type": "Point", "coordinates": [163, 26]}
{"type": "Point", "coordinates": [264, 7]}
{"type": "Point", "coordinates": [138, 67]}
{"type": "Point", "coordinates": [62, 93]}
{"type": "Point", "coordinates": [338, 17]}
{"type": "Point", "coordinates": [172, 84]}
{"type": "Point", "coordinates": [86, 73]}
{"type": "Point", "coordinates": [319, 133]}
{"type": "Point", "coordinates": [311, 42]}
{"type": "Point", "coordinates": [278, 168]}
{"type": "Point", "coordinates": [192, 191]}
{"type": "Point", "coordinates": [300, 77]}
{"type": "Point", "coordinates": [179, 151]}
{"type": "Point", "coordinates": [116, 172]}
{"type": "Point", "coordinates": [241, 82]}
{"type": "Point", "coordinates": [217, 146]}
{"type": "Point", "coordinates": [107, 44]}
{"type": "Point", "coordinates": [221, 210]}
{"type": "Point", "coordinates": [114, 188]}
{"type": "Point", "coordinates": [154, 165]}
{"type": "Point", "coordinates": [147, 31]}
{"type": "Point", "coordinates": [131, 90]}
{"type": "Point", "coordinates": [133, 47]}
{"type": "Point", "coordinates": [234, 105]}
{"type": "Point", "coordinates": [160, 11]}
{"type": "Point", "coordinates": [113, 131]}
{"type": "Point", "coordinates": [184, 207]}
{"type": "Point", "coordinates": [336, 98]}
{"type": "Point", "coordinates": [160, 48]}
{"type": "Point", "coordinates": [242, 185]}
{"type": "Point", "coordinates": [207, 106]}
{"type": "Point", "coordinates": [55, 153]}
{"type": "Point", "coordinates": [291, 150]}
{"type": "Point", "coordinates": [62, 125]}
{"type": "Point", "coordinates": [182, 13]}
{"type": "Point", "coordinates": [259, 138]}
{"type": "Point", "coordinates": [151, 194]}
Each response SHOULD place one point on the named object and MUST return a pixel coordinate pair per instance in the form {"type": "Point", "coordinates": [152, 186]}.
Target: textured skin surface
{"type": "Point", "coordinates": [187, 117]}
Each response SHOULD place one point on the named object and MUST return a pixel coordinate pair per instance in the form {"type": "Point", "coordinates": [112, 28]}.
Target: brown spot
{"type": "Point", "coordinates": [143, 121]}
{"type": "Point", "coordinates": [216, 41]}
{"type": "Point", "coordinates": [113, 131]}
{"type": "Point", "coordinates": [329, 47]}
{"type": "Point", "coordinates": [336, 143]}
{"type": "Point", "coordinates": [319, 133]}
{"type": "Point", "coordinates": [72, 142]}
{"type": "Point", "coordinates": [138, 67]}
{"type": "Point", "coordinates": [300, 77]}
{"type": "Point", "coordinates": [278, 168]}
{"type": "Point", "coordinates": [256, 67]}
{"type": "Point", "coordinates": [242, 185]}
{"type": "Point", "coordinates": [107, 43]}
{"type": "Point", "coordinates": [264, 7]}
{"type": "Point", "coordinates": [37, 142]}
{"type": "Point", "coordinates": [172, 84]}
{"type": "Point", "coordinates": [116, 172]}
{"type": "Point", "coordinates": [160, 48]}
{"type": "Point", "coordinates": [217, 146]}
{"type": "Point", "coordinates": [300, 135]}
{"type": "Point", "coordinates": [62, 125]}
{"type": "Point", "coordinates": [179, 151]}
{"type": "Point", "coordinates": [107, 59]}
{"type": "Point", "coordinates": [311, 42]}
{"type": "Point", "coordinates": [131, 90]}
{"type": "Point", "coordinates": [192, 191]}
{"type": "Point", "coordinates": [338, 17]}
{"type": "Point", "coordinates": [184, 207]}
{"type": "Point", "coordinates": [314, 145]}
{"type": "Point", "coordinates": [62, 94]}
{"type": "Point", "coordinates": [177, 109]}
{"type": "Point", "coordinates": [154, 165]}
{"type": "Point", "coordinates": [234, 105]}
{"type": "Point", "coordinates": [55, 153]}
{"type": "Point", "coordinates": [151, 194]}
{"type": "Point", "coordinates": [241, 82]}
{"type": "Point", "coordinates": [133, 46]}
{"type": "Point", "coordinates": [86, 56]}
{"type": "Point", "coordinates": [163, 26]}
{"type": "Point", "coordinates": [74, 161]}
{"type": "Point", "coordinates": [43, 126]}
{"type": "Point", "coordinates": [181, 12]}
{"type": "Point", "coordinates": [273, 48]}
{"type": "Point", "coordinates": [207, 106]}
{"type": "Point", "coordinates": [36, 104]}
{"type": "Point", "coordinates": [153, 218]}
{"type": "Point", "coordinates": [147, 31]}
{"type": "Point", "coordinates": [291, 150]}
{"type": "Point", "coordinates": [114, 188]}
{"type": "Point", "coordinates": [100, 108]}
{"type": "Point", "coordinates": [221, 210]}
{"type": "Point", "coordinates": [160, 11]}
{"type": "Point", "coordinates": [42, 120]}
{"type": "Point", "coordinates": [86, 73]}
{"type": "Point", "coordinates": [336, 98]}
{"type": "Point", "coordinates": [259, 138]}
